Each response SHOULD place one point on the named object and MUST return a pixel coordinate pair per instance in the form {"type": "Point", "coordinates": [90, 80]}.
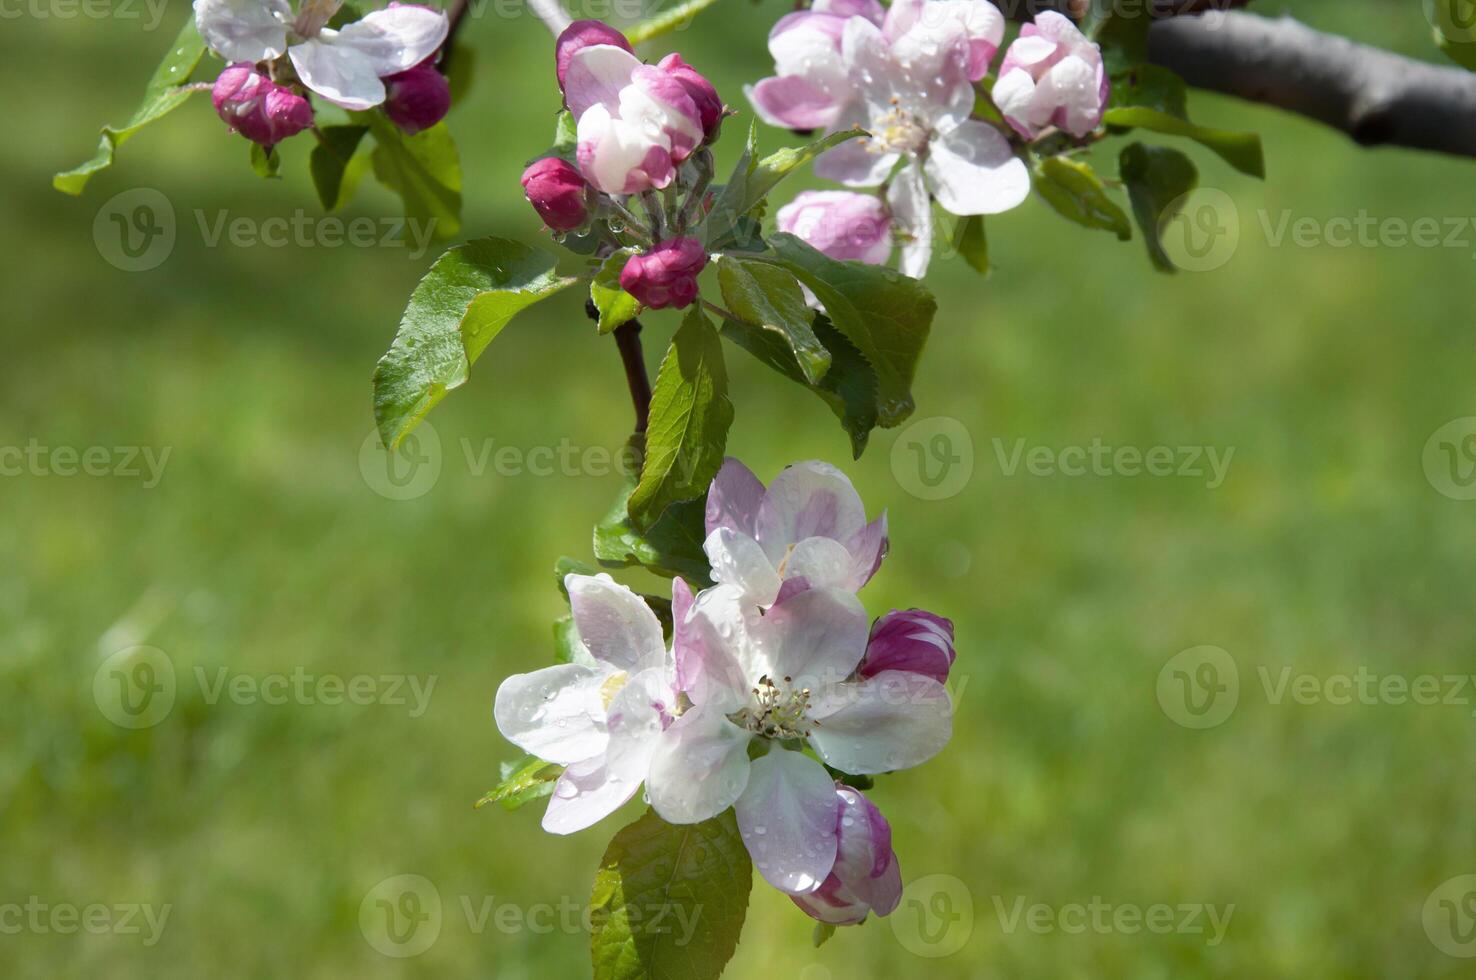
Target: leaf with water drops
{"type": "Point", "coordinates": [669, 900]}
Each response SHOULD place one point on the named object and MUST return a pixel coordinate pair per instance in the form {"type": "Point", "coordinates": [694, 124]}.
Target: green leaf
{"type": "Point", "coordinates": [423, 169]}
{"type": "Point", "coordinates": [848, 388]}
{"type": "Point", "coordinates": [568, 647]}
{"type": "Point", "coordinates": [566, 140]}
{"type": "Point", "coordinates": [1152, 87]}
{"type": "Point", "coordinates": [823, 932]}
{"type": "Point", "coordinates": [1075, 191]}
{"type": "Point", "coordinates": [465, 300]}
{"type": "Point", "coordinates": [330, 160]}
{"type": "Point", "coordinates": [675, 19]}
{"type": "Point", "coordinates": [671, 546]}
{"type": "Point", "coordinates": [690, 416]}
{"type": "Point", "coordinates": [567, 566]}
{"type": "Point", "coordinates": [614, 304]}
{"type": "Point", "coordinates": [1157, 179]}
{"type": "Point", "coordinates": [885, 314]}
{"type": "Point", "coordinates": [669, 900]}
{"type": "Point", "coordinates": [528, 779]}
{"type": "Point", "coordinates": [770, 297]}
{"type": "Point", "coordinates": [163, 95]}
{"type": "Point", "coordinates": [773, 168]}
{"type": "Point", "coordinates": [1241, 150]}
{"type": "Point", "coordinates": [972, 243]}
{"type": "Point", "coordinates": [266, 163]}
{"type": "Point", "coordinates": [1455, 29]}
{"type": "Point", "coordinates": [723, 225]}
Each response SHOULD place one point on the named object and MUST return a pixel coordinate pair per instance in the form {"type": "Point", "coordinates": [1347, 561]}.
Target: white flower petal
{"type": "Point", "coordinates": [556, 713]}
{"type": "Point", "coordinates": [894, 720]}
{"type": "Point", "coordinates": [823, 563]}
{"type": "Point", "coordinates": [808, 500]}
{"type": "Point", "coordinates": [396, 38]}
{"type": "Point", "coordinates": [596, 76]}
{"type": "Point", "coordinates": [815, 638]}
{"type": "Point", "coordinates": [341, 75]}
{"type": "Point", "coordinates": [713, 649]}
{"type": "Point", "coordinates": [244, 30]}
{"type": "Point", "coordinates": [734, 497]}
{"type": "Point", "coordinates": [912, 211]}
{"type": "Point", "coordinates": [788, 817]}
{"type": "Point", "coordinates": [737, 560]}
{"type": "Point", "coordinates": [615, 624]}
{"type": "Point", "coordinates": [973, 170]}
{"type": "Point", "coordinates": [585, 794]}
{"type": "Point", "coordinates": [700, 767]}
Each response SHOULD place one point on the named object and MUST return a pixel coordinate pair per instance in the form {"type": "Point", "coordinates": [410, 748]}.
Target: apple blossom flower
{"type": "Point", "coordinates": [582, 34]}
{"type": "Point", "coordinates": [807, 530]}
{"type": "Point", "coordinates": [866, 877]}
{"type": "Point", "coordinates": [913, 640]}
{"type": "Point", "coordinates": [666, 275]}
{"type": "Point", "coordinates": [417, 99]}
{"type": "Point", "coordinates": [258, 108]}
{"type": "Point", "coordinates": [842, 224]}
{"type": "Point", "coordinates": [635, 123]}
{"type": "Point", "coordinates": [346, 66]}
{"type": "Point", "coordinates": [704, 96]}
{"type": "Point", "coordinates": [1052, 75]}
{"type": "Point", "coordinates": [785, 677]}
{"type": "Point", "coordinates": [557, 192]}
{"type": "Point", "coordinates": [601, 717]}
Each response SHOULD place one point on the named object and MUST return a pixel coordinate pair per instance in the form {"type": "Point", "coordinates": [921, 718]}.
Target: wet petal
{"type": "Point", "coordinates": [700, 767]}
{"type": "Point", "coordinates": [973, 170]}
{"type": "Point", "coordinates": [815, 638]}
{"type": "Point", "coordinates": [787, 817]}
{"type": "Point", "coordinates": [808, 500]}
{"type": "Point", "coordinates": [616, 625]}
{"type": "Point", "coordinates": [244, 30]}
{"type": "Point", "coordinates": [556, 713]}
{"type": "Point", "coordinates": [584, 795]}
{"type": "Point", "coordinates": [895, 720]}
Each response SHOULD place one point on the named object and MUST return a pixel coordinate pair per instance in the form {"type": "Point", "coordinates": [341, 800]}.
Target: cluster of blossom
{"type": "Point", "coordinates": [771, 671]}
{"type": "Point", "coordinates": [387, 59]}
{"type": "Point", "coordinates": [641, 129]}
{"type": "Point", "coordinates": [908, 75]}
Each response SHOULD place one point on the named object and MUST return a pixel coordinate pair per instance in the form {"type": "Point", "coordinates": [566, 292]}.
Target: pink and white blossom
{"type": "Point", "coordinates": [666, 275]}
{"type": "Point", "coordinates": [635, 122]}
{"type": "Point", "coordinates": [1052, 75]}
{"type": "Point", "coordinates": [601, 717]}
{"type": "Point", "coordinates": [417, 99]}
{"type": "Point", "coordinates": [914, 640]}
{"type": "Point", "coordinates": [808, 529]}
{"type": "Point", "coordinates": [866, 877]}
{"type": "Point", "coordinates": [786, 676]}
{"type": "Point", "coordinates": [258, 108]}
{"type": "Point", "coordinates": [557, 192]}
{"type": "Point", "coordinates": [347, 65]}
{"type": "Point", "coordinates": [842, 224]}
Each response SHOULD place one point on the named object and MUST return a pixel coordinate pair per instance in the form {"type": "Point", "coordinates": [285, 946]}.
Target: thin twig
{"type": "Point", "coordinates": [628, 342]}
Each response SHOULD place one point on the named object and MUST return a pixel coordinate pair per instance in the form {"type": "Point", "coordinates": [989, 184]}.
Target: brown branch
{"type": "Point", "coordinates": [628, 342]}
{"type": "Point", "coordinates": [1377, 98]}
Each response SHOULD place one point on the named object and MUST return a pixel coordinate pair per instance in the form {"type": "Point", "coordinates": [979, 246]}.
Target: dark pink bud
{"type": "Point", "coordinates": [914, 640]}
{"type": "Point", "coordinates": [417, 99]}
{"type": "Point", "coordinates": [258, 108]}
{"type": "Point", "coordinates": [666, 275]}
{"type": "Point", "coordinates": [584, 34]}
{"type": "Point", "coordinates": [557, 193]}
{"type": "Point", "coordinates": [865, 877]}
{"type": "Point", "coordinates": [709, 106]}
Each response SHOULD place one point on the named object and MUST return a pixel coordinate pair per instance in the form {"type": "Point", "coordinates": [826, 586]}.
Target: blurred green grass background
{"type": "Point", "coordinates": [263, 550]}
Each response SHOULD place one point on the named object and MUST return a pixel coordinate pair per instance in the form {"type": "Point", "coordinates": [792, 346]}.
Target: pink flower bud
{"type": "Point", "coordinates": [666, 275]}
{"type": "Point", "coordinates": [841, 224]}
{"type": "Point", "coordinates": [1052, 75]}
{"type": "Point", "coordinates": [584, 34]}
{"type": "Point", "coordinates": [557, 193]}
{"type": "Point", "coordinates": [866, 876]}
{"type": "Point", "coordinates": [704, 96]}
{"type": "Point", "coordinates": [258, 108]}
{"type": "Point", "coordinates": [417, 99]}
{"type": "Point", "coordinates": [914, 640]}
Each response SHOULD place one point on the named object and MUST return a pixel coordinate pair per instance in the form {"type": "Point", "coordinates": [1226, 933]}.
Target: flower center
{"type": "Point", "coordinates": [776, 712]}
{"type": "Point", "coordinates": [896, 131]}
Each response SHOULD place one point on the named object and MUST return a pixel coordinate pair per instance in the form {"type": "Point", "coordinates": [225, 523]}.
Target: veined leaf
{"type": "Point", "coordinates": [671, 546]}
{"type": "Point", "coordinates": [163, 95]}
{"type": "Point", "coordinates": [528, 779]}
{"type": "Point", "coordinates": [773, 168]}
{"type": "Point", "coordinates": [669, 900]}
{"type": "Point", "coordinates": [465, 300]}
{"type": "Point", "coordinates": [770, 297]}
{"type": "Point", "coordinates": [674, 19]}
{"type": "Point", "coordinates": [614, 305]}
{"type": "Point", "coordinates": [722, 226]}
{"type": "Point", "coordinates": [885, 314]}
{"type": "Point", "coordinates": [1241, 150]}
{"type": "Point", "coordinates": [1157, 178]}
{"type": "Point", "coordinates": [690, 416]}
{"type": "Point", "coordinates": [1075, 191]}
{"type": "Point", "coordinates": [423, 169]}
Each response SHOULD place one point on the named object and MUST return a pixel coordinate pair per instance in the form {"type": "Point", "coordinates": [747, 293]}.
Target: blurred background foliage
{"type": "Point", "coordinates": [263, 550]}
